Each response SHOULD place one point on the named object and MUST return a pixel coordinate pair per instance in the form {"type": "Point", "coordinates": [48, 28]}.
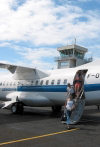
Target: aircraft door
{"type": "Point", "coordinates": [78, 84]}
{"type": "Point", "coordinates": [78, 81]}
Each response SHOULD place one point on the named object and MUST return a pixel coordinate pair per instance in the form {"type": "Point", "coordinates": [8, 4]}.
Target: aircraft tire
{"type": "Point", "coordinates": [14, 108]}
{"type": "Point", "coordinates": [17, 108]}
{"type": "Point", "coordinates": [56, 109]}
{"type": "Point", "coordinates": [20, 108]}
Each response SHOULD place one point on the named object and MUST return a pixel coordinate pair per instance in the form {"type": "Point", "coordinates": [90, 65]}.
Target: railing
{"type": "Point", "coordinates": [87, 60]}
{"type": "Point", "coordinates": [64, 58]}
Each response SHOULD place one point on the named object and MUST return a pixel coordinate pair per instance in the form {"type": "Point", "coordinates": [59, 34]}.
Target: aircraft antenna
{"type": "Point", "coordinates": [75, 40]}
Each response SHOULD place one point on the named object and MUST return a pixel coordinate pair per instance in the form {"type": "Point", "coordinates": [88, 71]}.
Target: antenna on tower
{"type": "Point", "coordinates": [75, 40]}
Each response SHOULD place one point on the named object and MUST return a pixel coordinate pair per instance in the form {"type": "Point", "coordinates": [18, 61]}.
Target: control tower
{"type": "Point", "coordinates": [71, 56]}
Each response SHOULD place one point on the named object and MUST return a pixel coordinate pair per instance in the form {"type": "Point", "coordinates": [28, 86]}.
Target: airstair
{"type": "Point", "coordinates": [79, 108]}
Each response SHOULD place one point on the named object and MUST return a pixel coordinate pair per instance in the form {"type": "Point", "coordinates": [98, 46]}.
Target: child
{"type": "Point", "coordinates": [69, 107]}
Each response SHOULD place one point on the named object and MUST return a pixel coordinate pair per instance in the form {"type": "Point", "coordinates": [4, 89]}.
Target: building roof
{"type": "Point", "coordinates": [73, 46]}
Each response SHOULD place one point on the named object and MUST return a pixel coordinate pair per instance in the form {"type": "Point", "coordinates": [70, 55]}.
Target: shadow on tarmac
{"type": "Point", "coordinates": [29, 114]}
{"type": "Point", "coordinates": [34, 114]}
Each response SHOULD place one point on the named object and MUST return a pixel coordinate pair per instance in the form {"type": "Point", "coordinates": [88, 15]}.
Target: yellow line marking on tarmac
{"type": "Point", "coordinates": [36, 137]}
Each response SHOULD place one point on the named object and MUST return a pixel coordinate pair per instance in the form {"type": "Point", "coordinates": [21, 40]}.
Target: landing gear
{"type": "Point", "coordinates": [14, 108]}
{"type": "Point", "coordinates": [17, 108]}
{"type": "Point", "coordinates": [98, 107]}
{"type": "Point", "coordinates": [56, 109]}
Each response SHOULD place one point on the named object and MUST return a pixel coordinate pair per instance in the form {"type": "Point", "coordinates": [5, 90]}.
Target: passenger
{"type": "Point", "coordinates": [70, 106]}
{"type": "Point", "coordinates": [78, 84]}
{"type": "Point", "coordinates": [70, 90]}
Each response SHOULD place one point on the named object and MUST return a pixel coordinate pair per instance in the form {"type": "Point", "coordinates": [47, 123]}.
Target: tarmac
{"type": "Point", "coordinates": [39, 127]}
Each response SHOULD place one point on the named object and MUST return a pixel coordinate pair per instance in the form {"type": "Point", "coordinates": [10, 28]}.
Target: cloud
{"type": "Point", "coordinates": [43, 23]}
{"type": "Point", "coordinates": [41, 57]}
{"type": "Point", "coordinates": [4, 72]}
{"type": "Point", "coordinates": [38, 57]}
{"type": "Point", "coordinates": [85, 0]}
{"type": "Point", "coordinates": [3, 44]}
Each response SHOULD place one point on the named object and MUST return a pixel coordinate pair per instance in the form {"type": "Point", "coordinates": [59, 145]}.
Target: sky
{"type": "Point", "coordinates": [32, 30]}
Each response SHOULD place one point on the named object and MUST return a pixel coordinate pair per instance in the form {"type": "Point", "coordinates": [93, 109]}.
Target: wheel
{"type": "Point", "coordinates": [14, 108]}
{"type": "Point", "coordinates": [56, 109]}
{"type": "Point", "coordinates": [17, 108]}
{"type": "Point", "coordinates": [20, 108]}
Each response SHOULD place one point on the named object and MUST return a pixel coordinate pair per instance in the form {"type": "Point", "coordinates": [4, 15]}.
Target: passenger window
{"type": "Point", "coordinates": [0, 84]}
{"type": "Point", "coordinates": [47, 82]}
{"type": "Point", "coordinates": [18, 83]}
{"type": "Point", "coordinates": [41, 83]}
{"type": "Point", "coordinates": [14, 84]}
{"type": "Point", "coordinates": [36, 83]}
{"type": "Point", "coordinates": [65, 82]}
{"type": "Point", "coordinates": [52, 82]}
{"type": "Point", "coordinates": [58, 82]}
{"type": "Point", "coordinates": [3, 83]}
{"type": "Point", "coordinates": [11, 84]}
{"type": "Point", "coordinates": [32, 82]}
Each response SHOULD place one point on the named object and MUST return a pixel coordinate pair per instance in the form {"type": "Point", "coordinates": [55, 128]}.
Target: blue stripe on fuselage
{"type": "Point", "coordinates": [47, 88]}
{"type": "Point", "coordinates": [51, 88]}
{"type": "Point", "coordinates": [56, 88]}
{"type": "Point", "coordinates": [91, 87]}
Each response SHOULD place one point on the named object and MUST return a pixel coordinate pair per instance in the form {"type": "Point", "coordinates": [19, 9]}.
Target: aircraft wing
{"type": "Point", "coordinates": [23, 73]}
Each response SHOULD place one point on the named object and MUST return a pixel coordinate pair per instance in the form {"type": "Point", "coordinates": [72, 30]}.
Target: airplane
{"type": "Point", "coordinates": [35, 88]}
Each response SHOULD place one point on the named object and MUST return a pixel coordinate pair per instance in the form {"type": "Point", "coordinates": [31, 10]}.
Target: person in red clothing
{"type": "Point", "coordinates": [78, 84]}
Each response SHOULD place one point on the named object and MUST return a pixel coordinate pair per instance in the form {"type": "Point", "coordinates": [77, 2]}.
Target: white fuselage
{"type": "Point", "coordinates": [50, 90]}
